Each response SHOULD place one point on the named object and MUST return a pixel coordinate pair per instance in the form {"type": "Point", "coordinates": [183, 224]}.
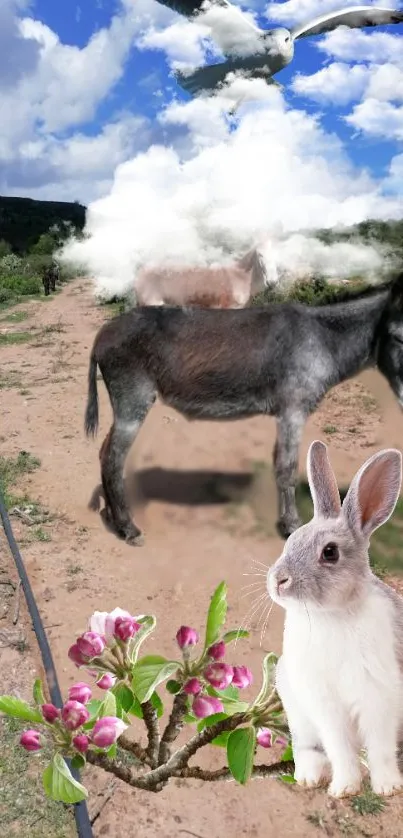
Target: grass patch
{"type": "Point", "coordinates": [11, 471]}
{"type": "Point", "coordinates": [11, 338]}
{"type": "Point", "coordinates": [385, 550]}
{"type": "Point", "coordinates": [15, 317]}
{"type": "Point", "coordinates": [368, 803]}
{"type": "Point", "coordinates": [24, 808]}
{"type": "Point", "coordinates": [9, 379]}
{"type": "Point", "coordinates": [330, 429]}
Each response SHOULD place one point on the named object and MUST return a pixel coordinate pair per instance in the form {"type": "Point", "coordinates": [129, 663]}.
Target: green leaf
{"type": "Point", "coordinates": [78, 762]}
{"type": "Point", "coordinates": [229, 636]}
{"type": "Point", "coordinates": [39, 697]}
{"type": "Point", "coordinates": [189, 719]}
{"type": "Point", "coordinates": [108, 706]}
{"type": "Point", "coordinates": [93, 708]}
{"type": "Point", "coordinates": [230, 692]}
{"type": "Point", "coordinates": [269, 671]}
{"type": "Point", "coordinates": [157, 704]}
{"type": "Point", "coordinates": [287, 778]}
{"type": "Point", "coordinates": [147, 624]}
{"type": "Point", "coordinates": [59, 784]}
{"type": "Point", "coordinates": [19, 709]}
{"type": "Point", "coordinates": [124, 696]}
{"type": "Point", "coordinates": [112, 751]}
{"type": "Point", "coordinates": [240, 753]}
{"type": "Point", "coordinates": [136, 710]}
{"type": "Point", "coordinates": [148, 673]}
{"type": "Point", "coordinates": [173, 687]}
{"type": "Point", "coordinates": [231, 705]}
{"type": "Point", "coordinates": [287, 754]}
{"type": "Point", "coordinates": [216, 614]}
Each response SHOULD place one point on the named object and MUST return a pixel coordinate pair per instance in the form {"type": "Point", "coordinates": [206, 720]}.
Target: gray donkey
{"type": "Point", "coordinates": [279, 360]}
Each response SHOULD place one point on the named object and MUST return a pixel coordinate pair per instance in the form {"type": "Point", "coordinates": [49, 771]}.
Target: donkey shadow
{"type": "Point", "coordinates": [181, 488]}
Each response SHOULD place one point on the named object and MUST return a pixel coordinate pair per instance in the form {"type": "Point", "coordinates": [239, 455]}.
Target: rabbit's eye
{"type": "Point", "coordinates": [330, 554]}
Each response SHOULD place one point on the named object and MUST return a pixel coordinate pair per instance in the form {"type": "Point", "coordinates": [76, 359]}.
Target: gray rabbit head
{"type": "Point", "coordinates": [325, 563]}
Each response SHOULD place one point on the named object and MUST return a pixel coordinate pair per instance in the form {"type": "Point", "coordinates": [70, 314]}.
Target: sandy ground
{"type": "Point", "coordinates": [191, 545]}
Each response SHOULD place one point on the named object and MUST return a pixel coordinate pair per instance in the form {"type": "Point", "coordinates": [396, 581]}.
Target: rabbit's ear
{"type": "Point", "coordinates": [322, 482]}
{"type": "Point", "coordinates": [374, 491]}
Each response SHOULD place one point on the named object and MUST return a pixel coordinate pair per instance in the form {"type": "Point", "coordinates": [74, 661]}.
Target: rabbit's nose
{"type": "Point", "coordinates": [283, 583]}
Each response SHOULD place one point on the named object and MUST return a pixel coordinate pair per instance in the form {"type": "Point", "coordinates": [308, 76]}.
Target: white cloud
{"type": "Point", "coordinates": [358, 45]}
{"type": "Point", "coordinates": [338, 84]}
{"type": "Point", "coordinates": [272, 167]}
{"type": "Point", "coordinates": [378, 119]}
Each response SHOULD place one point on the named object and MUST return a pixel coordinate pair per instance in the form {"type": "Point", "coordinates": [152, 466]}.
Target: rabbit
{"type": "Point", "coordinates": [340, 675]}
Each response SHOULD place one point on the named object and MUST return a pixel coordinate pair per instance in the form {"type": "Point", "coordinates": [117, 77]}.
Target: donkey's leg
{"type": "Point", "coordinates": [285, 456]}
{"type": "Point", "coordinates": [130, 410]}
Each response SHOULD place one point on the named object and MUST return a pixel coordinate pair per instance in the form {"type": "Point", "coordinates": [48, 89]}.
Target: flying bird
{"type": "Point", "coordinates": [265, 51]}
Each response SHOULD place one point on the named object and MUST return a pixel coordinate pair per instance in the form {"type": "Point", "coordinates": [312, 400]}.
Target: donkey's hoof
{"type": "Point", "coordinates": [287, 526]}
{"type": "Point", "coordinates": [135, 539]}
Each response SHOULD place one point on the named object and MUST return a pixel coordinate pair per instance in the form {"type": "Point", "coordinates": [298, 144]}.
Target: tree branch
{"type": "Point", "coordinates": [151, 723]}
{"type": "Point", "coordinates": [133, 748]}
{"type": "Point", "coordinates": [174, 727]}
{"type": "Point", "coordinates": [198, 773]}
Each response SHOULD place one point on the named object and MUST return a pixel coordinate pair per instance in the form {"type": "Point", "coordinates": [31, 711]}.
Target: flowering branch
{"type": "Point", "coordinates": [205, 690]}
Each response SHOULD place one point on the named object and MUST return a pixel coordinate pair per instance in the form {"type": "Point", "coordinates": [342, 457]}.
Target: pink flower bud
{"type": "Point", "coordinates": [74, 714]}
{"type": "Point", "coordinates": [264, 737]}
{"type": "Point", "coordinates": [81, 743]}
{"type": "Point", "coordinates": [106, 682]}
{"type": "Point", "coordinates": [217, 651]}
{"type": "Point", "coordinates": [50, 713]}
{"type": "Point", "coordinates": [31, 740]}
{"type": "Point", "coordinates": [106, 731]}
{"type": "Point", "coordinates": [206, 705]}
{"type": "Point", "coordinates": [192, 687]}
{"type": "Point", "coordinates": [91, 644]}
{"type": "Point", "coordinates": [242, 677]}
{"type": "Point", "coordinates": [282, 742]}
{"type": "Point", "coordinates": [186, 636]}
{"type": "Point", "coordinates": [125, 628]}
{"type": "Point", "coordinates": [219, 675]}
{"type": "Point", "coordinates": [76, 656]}
{"type": "Point", "coordinates": [80, 692]}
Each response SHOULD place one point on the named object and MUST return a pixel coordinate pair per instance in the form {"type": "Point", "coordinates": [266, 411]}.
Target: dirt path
{"type": "Point", "coordinates": [191, 545]}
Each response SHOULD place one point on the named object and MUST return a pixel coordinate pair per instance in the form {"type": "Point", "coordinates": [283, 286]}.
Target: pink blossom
{"type": "Point", "coordinates": [76, 656]}
{"type": "Point", "coordinates": [282, 742]}
{"type": "Point", "coordinates": [50, 713]}
{"type": "Point", "coordinates": [206, 705]}
{"type": "Point", "coordinates": [103, 622]}
{"type": "Point", "coordinates": [125, 628]}
{"type": "Point", "coordinates": [31, 740]}
{"type": "Point", "coordinates": [217, 650]}
{"type": "Point", "coordinates": [91, 644]}
{"type": "Point", "coordinates": [186, 636]}
{"type": "Point", "coordinates": [219, 675]}
{"type": "Point", "coordinates": [192, 687]}
{"type": "Point", "coordinates": [264, 737]}
{"type": "Point", "coordinates": [81, 743]}
{"type": "Point", "coordinates": [106, 731]}
{"type": "Point", "coordinates": [106, 682]}
{"type": "Point", "coordinates": [242, 677]}
{"type": "Point", "coordinates": [74, 714]}
{"type": "Point", "coordinates": [80, 692]}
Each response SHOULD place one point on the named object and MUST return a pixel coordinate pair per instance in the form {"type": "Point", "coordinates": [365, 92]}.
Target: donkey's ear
{"type": "Point", "coordinates": [374, 491]}
{"type": "Point", "coordinates": [322, 482]}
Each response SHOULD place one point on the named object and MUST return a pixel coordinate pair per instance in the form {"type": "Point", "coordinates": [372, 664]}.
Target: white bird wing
{"type": "Point", "coordinates": [353, 16]}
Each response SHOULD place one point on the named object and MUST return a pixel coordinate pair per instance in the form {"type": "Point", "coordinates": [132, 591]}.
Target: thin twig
{"type": "Point", "coordinates": [151, 722]}
{"type": "Point", "coordinates": [133, 748]}
{"type": "Point", "coordinates": [198, 773]}
{"type": "Point", "coordinates": [174, 727]}
{"type": "Point", "coordinates": [17, 603]}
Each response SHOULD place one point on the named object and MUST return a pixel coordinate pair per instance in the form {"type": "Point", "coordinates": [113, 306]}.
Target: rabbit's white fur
{"type": "Point", "coordinates": [340, 676]}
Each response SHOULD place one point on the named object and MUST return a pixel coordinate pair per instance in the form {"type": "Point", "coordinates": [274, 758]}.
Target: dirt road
{"type": "Point", "coordinates": [191, 544]}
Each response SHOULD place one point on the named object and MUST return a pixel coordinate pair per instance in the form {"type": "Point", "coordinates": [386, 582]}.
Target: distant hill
{"type": "Point", "coordinates": [24, 220]}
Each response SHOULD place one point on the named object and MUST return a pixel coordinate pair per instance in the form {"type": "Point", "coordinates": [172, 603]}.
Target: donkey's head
{"type": "Point", "coordinates": [253, 262]}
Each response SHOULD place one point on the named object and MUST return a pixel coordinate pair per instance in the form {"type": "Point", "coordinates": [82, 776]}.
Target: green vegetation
{"type": "Point", "coordinates": [24, 810]}
{"type": "Point", "coordinates": [25, 221]}
{"type": "Point", "coordinates": [11, 470]}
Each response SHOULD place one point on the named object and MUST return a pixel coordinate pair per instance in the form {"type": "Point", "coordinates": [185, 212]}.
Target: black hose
{"type": "Point", "coordinates": [82, 818]}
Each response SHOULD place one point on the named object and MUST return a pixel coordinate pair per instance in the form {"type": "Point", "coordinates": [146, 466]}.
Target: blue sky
{"type": "Point", "coordinates": [87, 87]}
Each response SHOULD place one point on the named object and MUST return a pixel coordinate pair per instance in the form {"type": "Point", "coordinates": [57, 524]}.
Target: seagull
{"type": "Point", "coordinates": [269, 50]}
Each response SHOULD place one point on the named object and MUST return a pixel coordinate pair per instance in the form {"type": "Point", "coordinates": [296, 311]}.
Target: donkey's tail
{"type": "Point", "coordinates": [91, 413]}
